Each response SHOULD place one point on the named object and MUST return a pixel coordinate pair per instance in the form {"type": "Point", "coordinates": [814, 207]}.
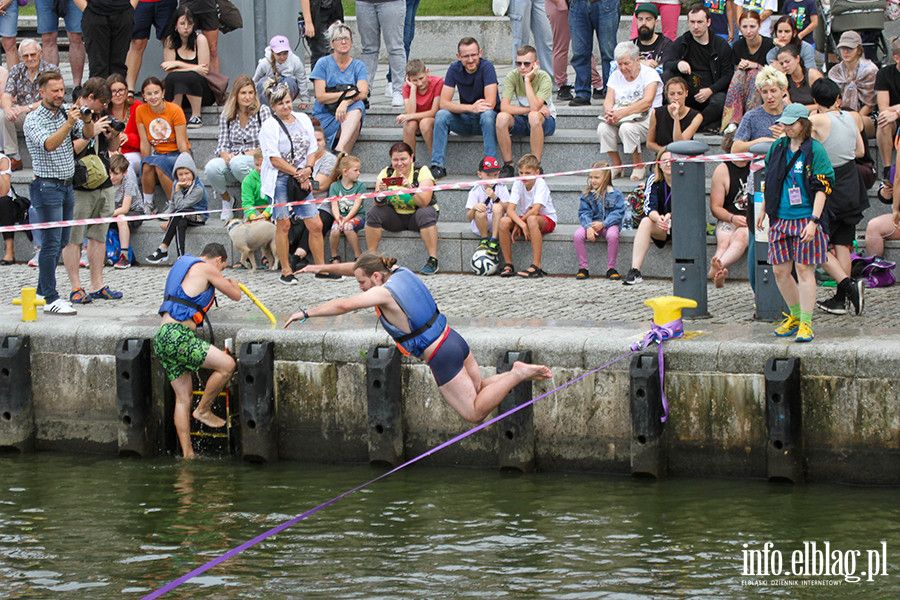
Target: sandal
{"type": "Point", "coordinates": [508, 270]}
{"type": "Point", "coordinates": [238, 265]}
{"type": "Point", "coordinates": [264, 262]}
{"type": "Point", "coordinates": [532, 272]}
{"type": "Point", "coordinates": [335, 259]}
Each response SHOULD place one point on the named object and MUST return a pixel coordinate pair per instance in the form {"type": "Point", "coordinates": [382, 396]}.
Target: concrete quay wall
{"type": "Point", "coordinates": [714, 384]}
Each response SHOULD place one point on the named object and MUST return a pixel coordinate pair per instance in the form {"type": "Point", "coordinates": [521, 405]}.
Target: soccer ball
{"type": "Point", "coordinates": [483, 263]}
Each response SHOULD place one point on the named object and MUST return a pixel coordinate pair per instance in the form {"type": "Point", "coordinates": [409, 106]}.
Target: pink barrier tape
{"type": "Point", "coordinates": [427, 188]}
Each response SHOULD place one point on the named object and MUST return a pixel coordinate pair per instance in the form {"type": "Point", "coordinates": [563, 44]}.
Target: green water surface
{"type": "Point", "coordinates": [85, 527]}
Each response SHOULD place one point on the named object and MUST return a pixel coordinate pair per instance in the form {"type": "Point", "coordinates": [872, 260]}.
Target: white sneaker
{"type": "Point", "coordinates": [397, 99]}
{"type": "Point", "coordinates": [34, 259]}
{"type": "Point", "coordinates": [227, 213]}
{"type": "Point", "coordinates": [60, 307]}
{"type": "Point", "coordinates": [84, 259]}
{"type": "Point", "coordinates": [389, 90]}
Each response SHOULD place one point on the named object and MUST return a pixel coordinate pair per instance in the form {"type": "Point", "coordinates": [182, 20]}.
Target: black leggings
{"type": "Point", "coordinates": [177, 225]}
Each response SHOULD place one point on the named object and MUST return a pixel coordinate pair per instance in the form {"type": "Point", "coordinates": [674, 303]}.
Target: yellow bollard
{"type": "Point", "coordinates": [667, 309]}
{"type": "Point", "coordinates": [29, 303]}
{"type": "Point", "coordinates": [257, 302]}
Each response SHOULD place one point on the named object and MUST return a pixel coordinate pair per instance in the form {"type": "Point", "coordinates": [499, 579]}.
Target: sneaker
{"type": "Point", "coordinates": [397, 99]}
{"type": "Point", "coordinates": [34, 259]}
{"type": "Point", "coordinates": [633, 277]}
{"type": "Point", "coordinates": [857, 298]}
{"type": "Point", "coordinates": [579, 101]}
{"type": "Point", "coordinates": [507, 170]}
{"type": "Point", "coordinates": [333, 276]}
{"type": "Point", "coordinates": [83, 261]}
{"type": "Point", "coordinates": [228, 209]}
{"type": "Point", "coordinates": [834, 305]}
{"type": "Point", "coordinates": [105, 293]}
{"type": "Point", "coordinates": [494, 248]}
{"type": "Point", "coordinates": [389, 90]}
{"type": "Point", "coordinates": [566, 93]}
{"type": "Point", "coordinates": [430, 268]}
{"type": "Point", "coordinates": [80, 296]}
{"type": "Point", "coordinates": [804, 333]}
{"type": "Point", "coordinates": [731, 129]}
{"type": "Point", "coordinates": [582, 274]}
{"type": "Point", "coordinates": [788, 326]}
{"type": "Point", "coordinates": [123, 262]}
{"type": "Point", "coordinates": [194, 122]}
{"type": "Point", "coordinates": [613, 274]}
{"type": "Point", "coordinates": [158, 256]}
{"type": "Point", "coordinates": [484, 245]}
{"type": "Point", "coordinates": [438, 172]}
{"type": "Point", "coordinates": [60, 307]}
{"type": "Point", "coordinates": [289, 279]}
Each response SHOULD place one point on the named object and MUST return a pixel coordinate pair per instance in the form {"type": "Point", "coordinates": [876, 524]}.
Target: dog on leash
{"type": "Point", "coordinates": [249, 236]}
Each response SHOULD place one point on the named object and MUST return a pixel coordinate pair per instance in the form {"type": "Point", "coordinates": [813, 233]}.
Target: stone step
{"type": "Point", "coordinates": [385, 117]}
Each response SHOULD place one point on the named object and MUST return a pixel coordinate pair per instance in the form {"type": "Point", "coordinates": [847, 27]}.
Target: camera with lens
{"type": "Point", "coordinates": [85, 111]}
{"type": "Point", "coordinates": [116, 124]}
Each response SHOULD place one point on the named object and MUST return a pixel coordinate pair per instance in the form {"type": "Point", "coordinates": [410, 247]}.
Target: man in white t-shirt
{"type": "Point", "coordinates": [529, 213]}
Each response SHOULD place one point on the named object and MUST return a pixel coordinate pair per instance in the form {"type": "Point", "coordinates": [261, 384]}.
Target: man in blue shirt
{"type": "Point", "coordinates": [475, 112]}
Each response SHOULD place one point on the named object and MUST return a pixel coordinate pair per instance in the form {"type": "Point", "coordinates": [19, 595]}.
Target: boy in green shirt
{"type": "Point", "coordinates": [525, 108]}
{"type": "Point", "coordinates": [252, 199]}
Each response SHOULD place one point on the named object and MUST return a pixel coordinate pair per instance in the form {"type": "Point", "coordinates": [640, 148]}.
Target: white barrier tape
{"type": "Point", "coordinates": [446, 186]}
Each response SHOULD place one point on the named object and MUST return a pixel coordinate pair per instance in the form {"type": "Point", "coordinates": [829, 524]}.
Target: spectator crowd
{"type": "Point", "coordinates": [745, 70]}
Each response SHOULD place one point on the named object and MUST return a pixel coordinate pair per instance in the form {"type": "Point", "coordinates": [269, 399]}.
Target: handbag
{"type": "Point", "coordinates": [218, 83]}
{"type": "Point", "coordinates": [875, 271]}
{"type": "Point", "coordinates": [348, 92]}
{"type": "Point", "coordinates": [229, 16]}
{"type": "Point", "coordinates": [295, 192]}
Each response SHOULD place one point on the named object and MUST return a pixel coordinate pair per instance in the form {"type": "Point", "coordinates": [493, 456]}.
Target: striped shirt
{"type": "Point", "coordinates": [42, 123]}
{"type": "Point", "coordinates": [236, 139]}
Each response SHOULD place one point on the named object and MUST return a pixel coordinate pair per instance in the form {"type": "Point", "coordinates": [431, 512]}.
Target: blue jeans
{"type": "Point", "coordinates": [463, 124]}
{"type": "Point", "coordinates": [586, 19]}
{"type": "Point", "coordinates": [52, 201]}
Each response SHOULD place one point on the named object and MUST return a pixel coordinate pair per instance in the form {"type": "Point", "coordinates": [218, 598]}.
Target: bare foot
{"type": "Point", "coordinates": [208, 419]}
{"type": "Point", "coordinates": [720, 277]}
{"type": "Point", "coordinates": [531, 372]}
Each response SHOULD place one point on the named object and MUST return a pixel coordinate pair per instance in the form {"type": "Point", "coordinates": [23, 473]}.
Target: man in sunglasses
{"type": "Point", "coordinates": [526, 107]}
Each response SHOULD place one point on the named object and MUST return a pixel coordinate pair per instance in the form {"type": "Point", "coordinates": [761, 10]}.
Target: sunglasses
{"type": "Point", "coordinates": [520, 63]}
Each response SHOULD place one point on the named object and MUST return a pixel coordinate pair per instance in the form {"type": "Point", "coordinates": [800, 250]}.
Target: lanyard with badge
{"type": "Point", "coordinates": [794, 196]}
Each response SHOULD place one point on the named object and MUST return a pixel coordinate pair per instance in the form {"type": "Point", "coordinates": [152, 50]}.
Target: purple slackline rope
{"type": "Point", "coordinates": [659, 333]}
{"type": "Point", "coordinates": [235, 551]}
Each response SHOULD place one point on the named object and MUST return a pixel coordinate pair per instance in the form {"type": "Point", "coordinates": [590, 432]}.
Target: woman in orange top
{"type": "Point", "coordinates": [163, 131]}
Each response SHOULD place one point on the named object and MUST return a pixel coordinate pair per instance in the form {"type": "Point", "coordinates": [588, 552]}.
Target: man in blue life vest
{"type": "Point", "coordinates": [410, 316]}
{"type": "Point", "coordinates": [190, 291]}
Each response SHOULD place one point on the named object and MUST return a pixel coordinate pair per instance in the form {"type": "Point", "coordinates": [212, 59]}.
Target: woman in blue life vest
{"type": "Point", "coordinates": [410, 316]}
{"type": "Point", "coordinates": [190, 290]}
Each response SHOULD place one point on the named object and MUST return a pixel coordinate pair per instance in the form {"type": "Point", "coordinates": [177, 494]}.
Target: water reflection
{"type": "Point", "coordinates": [108, 528]}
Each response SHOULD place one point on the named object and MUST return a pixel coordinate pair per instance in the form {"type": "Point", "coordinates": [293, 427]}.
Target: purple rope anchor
{"type": "Point", "coordinates": [658, 334]}
{"type": "Point", "coordinates": [235, 551]}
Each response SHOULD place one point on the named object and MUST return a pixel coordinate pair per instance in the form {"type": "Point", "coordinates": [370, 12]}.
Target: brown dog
{"type": "Point", "coordinates": [248, 236]}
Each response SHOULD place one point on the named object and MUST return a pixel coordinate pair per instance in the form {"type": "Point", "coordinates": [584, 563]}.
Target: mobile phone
{"type": "Point", "coordinates": [389, 181]}
{"type": "Point", "coordinates": [315, 184]}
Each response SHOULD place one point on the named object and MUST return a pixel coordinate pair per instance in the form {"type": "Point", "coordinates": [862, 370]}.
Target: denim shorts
{"type": "Point", "coordinates": [302, 211]}
{"type": "Point", "coordinates": [48, 21]}
{"type": "Point", "coordinates": [9, 23]}
{"type": "Point", "coordinates": [521, 126]}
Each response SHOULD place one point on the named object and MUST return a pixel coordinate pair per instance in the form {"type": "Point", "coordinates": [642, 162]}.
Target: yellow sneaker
{"type": "Point", "coordinates": [805, 333]}
{"type": "Point", "coordinates": [788, 326]}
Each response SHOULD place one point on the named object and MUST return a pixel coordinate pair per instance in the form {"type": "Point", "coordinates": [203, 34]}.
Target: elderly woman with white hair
{"type": "Point", "coordinates": [633, 91]}
{"type": "Point", "coordinates": [341, 85]}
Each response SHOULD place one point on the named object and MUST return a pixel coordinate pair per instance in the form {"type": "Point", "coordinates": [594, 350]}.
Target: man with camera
{"type": "Point", "coordinates": [50, 130]}
{"type": "Point", "coordinates": [94, 194]}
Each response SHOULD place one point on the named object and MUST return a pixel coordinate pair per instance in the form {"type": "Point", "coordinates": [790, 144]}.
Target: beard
{"type": "Point", "coordinates": [645, 34]}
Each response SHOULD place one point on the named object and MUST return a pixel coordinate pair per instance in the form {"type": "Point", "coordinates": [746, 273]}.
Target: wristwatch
{"type": "Point", "coordinates": [814, 219]}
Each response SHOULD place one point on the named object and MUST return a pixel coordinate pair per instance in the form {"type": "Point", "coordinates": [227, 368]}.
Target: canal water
{"type": "Point", "coordinates": [86, 527]}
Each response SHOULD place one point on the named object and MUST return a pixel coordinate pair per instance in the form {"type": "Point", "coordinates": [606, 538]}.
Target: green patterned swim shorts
{"type": "Point", "coordinates": [179, 349]}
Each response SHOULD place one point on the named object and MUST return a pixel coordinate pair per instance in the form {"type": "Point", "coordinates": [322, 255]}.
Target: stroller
{"type": "Point", "coordinates": [865, 17]}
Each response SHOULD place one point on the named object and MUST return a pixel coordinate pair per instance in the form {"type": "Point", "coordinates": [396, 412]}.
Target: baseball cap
{"type": "Point", "coordinates": [488, 164]}
{"type": "Point", "coordinates": [850, 39]}
{"type": "Point", "coordinates": [647, 8]}
{"type": "Point", "coordinates": [279, 43]}
{"type": "Point", "coordinates": [792, 113]}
